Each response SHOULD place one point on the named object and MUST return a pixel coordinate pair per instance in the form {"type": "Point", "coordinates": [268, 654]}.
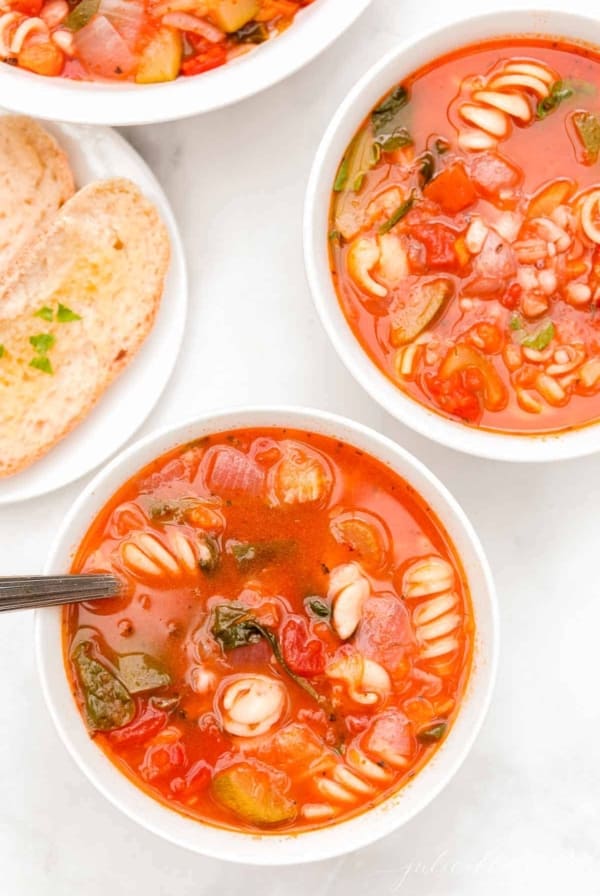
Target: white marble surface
{"type": "Point", "coordinates": [523, 814]}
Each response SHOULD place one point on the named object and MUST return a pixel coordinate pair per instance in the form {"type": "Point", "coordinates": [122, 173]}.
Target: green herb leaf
{"type": "Point", "coordinates": [433, 733]}
{"type": "Point", "coordinates": [426, 168]}
{"type": "Point", "coordinates": [334, 235]}
{"type": "Point", "coordinates": [64, 315]}
{"type": "Point", "coordinates": [234, 626]}
{"type": "Point", "coordinates": [397, 140]}
{"type": "Point", "coordinates": [342, 176]}
{"type": "Point", "coordinates": [42, 362]}
{"type": "Point", "coordinates": [209, 553]}
{"type": "Point", "coordinates": [251, 33]}
{"type": "Point", "coordinates": [249, 554]}
{"type": "Point", "coordinates": [81, 14]}
{"type": "Point", "coordinates": [45, 313]}
{"type": "Point", "coordinates": [108, 704]}
{"type": "Point", "coordinates": [587, 126]}
{"type": "Point", "coordinates": [540, 340]}
{"type": "Point", "coordinates": [42, 343]}
{"type": "Point", "coordinates": [558, 92]}
{"type": "Point", "coordinates": [400, 212]}
{"type": "Point", "coordinates": [318, 607]}
{"type": "Point", "coordinates": [515, 322]}
{"type": "Point", "coordinates": [385, 114]}
{"type": "Point", "coordinates": [140, 672]}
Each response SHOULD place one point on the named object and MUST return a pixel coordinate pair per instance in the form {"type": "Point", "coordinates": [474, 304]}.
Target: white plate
{"type": "Point", "coordinates": [98, 153]}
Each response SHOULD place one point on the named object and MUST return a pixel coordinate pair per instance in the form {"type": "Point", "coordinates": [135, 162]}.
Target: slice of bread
{"type": "Point", "coordinates": [104, 258]}
{"type": "Point", "coordinates": [35, 180]}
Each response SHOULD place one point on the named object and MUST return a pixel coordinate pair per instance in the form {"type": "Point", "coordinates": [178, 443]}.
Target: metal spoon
{"type": "Point", "coordinates": [27, 592]}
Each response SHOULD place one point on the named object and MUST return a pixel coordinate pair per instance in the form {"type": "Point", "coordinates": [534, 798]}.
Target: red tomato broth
{"type": "Point", "coordinates": [176, 753]}
{"type": "Point", "coordinates": [149, 41]}
{"type": "Point", "coordinates": [431, 113]}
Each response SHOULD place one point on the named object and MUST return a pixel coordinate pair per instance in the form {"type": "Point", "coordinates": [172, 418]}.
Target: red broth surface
{"type": "Point", "coordinates": [465, 235]}
{"type": "Point", "coordinates": [148, 41]}
{"type": "Point", "coordinates": [295, 637]}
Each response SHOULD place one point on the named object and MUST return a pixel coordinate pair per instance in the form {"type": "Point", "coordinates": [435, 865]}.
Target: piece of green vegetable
{"type": "Point", "coordinates": [233, 625]}
{"type": "Point", "coordinates": [397, 140]}
{"type": "Point", "coordinates": [342, 176]}
{"type": "Point", "coordinates": [42, 343]}
{"type": "Point", "coordinates": [540, 340]}
{"type": "Point", "coordinates": [318, 607]}
{"type": "Point", "coordinates": [559, 92]}
{"type": "Point", "coordinates": [426, 168]}
{"type": "Point", "coordinates": [45, 313]}
{"type": "Point", "coordinates": [385, 117]}
{"type": "Point", "coordinates": [251, 33]}
{"type": "Point", "coordinates": [515, 322]}
{"type": "Point", "coordinates": [425, 302]}
{"type": "Point", "coordinates": [587, 126]}
{"type": "Point", "coordinates": [43, 363]}
{"type": "Point", "coordinates": [248, 554]}
{"type": "Point", "coordinates": [1, 350]}
{"type": "Point", "coordinates": [139, 672]}
{"type": "Point", "coordinates": [433, 733]}
{"type": "Point", "coordinates": [64, 315]}
{"type": "Point", "coordinates": [108, 704]}
{"type": "Point", "coordinates": [250, 793]}
{"type": "Point", "coordinates": [81, 14]}
{"type": "Point", "coordinates": [400, 213]}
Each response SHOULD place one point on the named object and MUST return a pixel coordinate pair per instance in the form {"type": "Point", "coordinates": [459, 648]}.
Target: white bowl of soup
{"type": "Point", "coordinates": [452, 234]}
{"type": "Point", "coordinates": [124, 62]}
{"type": "Point", "coordinates": [305, 646]}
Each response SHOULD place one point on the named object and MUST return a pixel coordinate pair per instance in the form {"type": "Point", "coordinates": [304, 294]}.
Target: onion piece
{"type": "Point", "coordinates": [102, 50]}
{"type": "Point", "coordinates": [187, 22]}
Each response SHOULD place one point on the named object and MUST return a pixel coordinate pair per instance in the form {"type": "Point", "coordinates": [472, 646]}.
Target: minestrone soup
{"type": "Point", "coordinates": [294, 637]}
{"type": "Point", "coordinates": [147, 41]}
{"type": "Point", "coordinates": [465, 235]}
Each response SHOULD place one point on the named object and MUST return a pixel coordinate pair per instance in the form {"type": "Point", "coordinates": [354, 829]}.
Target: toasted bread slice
{"type": "Point", "coordinates": [104, 258]}
{"type": "Point", "coordinates": [35, 180]}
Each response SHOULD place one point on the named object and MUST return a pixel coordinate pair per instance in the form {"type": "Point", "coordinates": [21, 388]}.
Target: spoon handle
{"type": "Point", "coordinates": [27, 592]}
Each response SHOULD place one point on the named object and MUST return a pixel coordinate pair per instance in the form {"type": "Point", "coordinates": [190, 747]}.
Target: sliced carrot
{"type": "Point", "coordinates": [549, 198]}
{"type": "Point", "coordinates": [42, 58]}
{"type": "Point", "coordinates": [451, 189]}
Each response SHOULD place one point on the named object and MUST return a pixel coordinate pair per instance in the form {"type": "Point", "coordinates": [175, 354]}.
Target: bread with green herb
{"type": "Point", "coordinates": [75, 307]}
{"type": "Point", "coordinates": [35, 181]}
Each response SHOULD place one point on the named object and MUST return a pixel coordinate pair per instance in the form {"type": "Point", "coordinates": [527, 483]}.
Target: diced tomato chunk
{"type": "Point", "coordinates": [457, 395]}
{"type": "Point", "coordinates": [144, 726]}
{"type": "Point", "coordinates": [304, 654]}
{"type": "Point", "coordinates": [487, 337]}
{"type": "Point", "coordinates": [162, 760]}
{"type": "Point", "coordinates": [512, 296]}
{"type": "Point", "coordinates": [439, 241]}
{"type": "Point", "coordinates": [207, 56]}
{"type": "Point", "coordinates": [27, 7]}
{"type": "Point", "coordinates": [452, 189]}
{"type": "Point", "coordinates": [492, 173]}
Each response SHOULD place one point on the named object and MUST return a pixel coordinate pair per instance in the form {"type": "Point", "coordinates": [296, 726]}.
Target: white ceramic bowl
{"type": "Point", "coordinates": [377, 82]}
{"type": "Point", "coordinates": [96, 102]}
{"type": "Point", "coordinates": [272, 849]}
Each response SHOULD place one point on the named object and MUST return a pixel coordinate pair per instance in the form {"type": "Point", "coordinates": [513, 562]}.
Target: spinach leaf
{"type": "Point", "coordinates": [248, 554]}
{"type": "Point", "coordinates": [540, 340]}
{"type": "Point", "coordinates": [108, 703]}
{"type": "Point", "coordinates": [139, 672]}
{"type": "Point", "coordinates": [558, 92]}
{"type": "Point", "coordinates": [587, 126]}
{"type": "Point", "coordinates": [209, 554]}
{"type": "Point", "coordinates": [318, 607]}
{"type": "Point", "coordinates": [384, 117]}
{"type": "Point", "coordinates": [433, 733]}
{"type": "Point", "coordinates": [251, 33]}
{"type": "Point", "coordinates": [426, 168]}
{"type": "Point", "coordinates": [399, 138]}
{"type": "Point", "coordinates": [234, 626]}
{"type": "Point", "coordinates": [400, 212]}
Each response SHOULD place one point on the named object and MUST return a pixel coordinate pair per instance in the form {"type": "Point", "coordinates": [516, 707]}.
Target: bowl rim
{"type": "Point", "coordinates": [125, 103]}
{"type": "Point", "coordinates": [272, 849]}
{"type": "Point", "coordinates": [462, 31]}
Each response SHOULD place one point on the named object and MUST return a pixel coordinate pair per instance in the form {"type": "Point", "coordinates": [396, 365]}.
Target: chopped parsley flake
{"type": "Point", "coordinates": [42, 362]}
{"type": "Point", "coordinates": [64, 315]}
{"type": "Point", "coordinates": [42, 343]}
{"type": "Point", "coordinates": [45, 313]}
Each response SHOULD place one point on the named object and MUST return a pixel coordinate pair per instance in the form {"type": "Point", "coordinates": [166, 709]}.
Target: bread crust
{"type": "Point", "coordinates": [35, 181]}
{"type": "Point", "coordinates": [105, 256]}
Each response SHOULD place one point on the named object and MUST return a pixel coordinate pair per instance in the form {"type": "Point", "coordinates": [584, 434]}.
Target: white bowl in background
{"type": "Point", "coordinates": [377, 82]}
{"type": "Point", "coordinates": [124, 103]}
{"type": "Point", "coordinates": [272, 849]}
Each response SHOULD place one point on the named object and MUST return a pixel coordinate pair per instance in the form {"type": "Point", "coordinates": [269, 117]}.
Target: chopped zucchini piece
{"type": "Point", "coordinates": [161, 57]}
{"type": "Point", "coordinates": [250, 793]}
{"type": "Point", "coordinates": [422, 307]}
